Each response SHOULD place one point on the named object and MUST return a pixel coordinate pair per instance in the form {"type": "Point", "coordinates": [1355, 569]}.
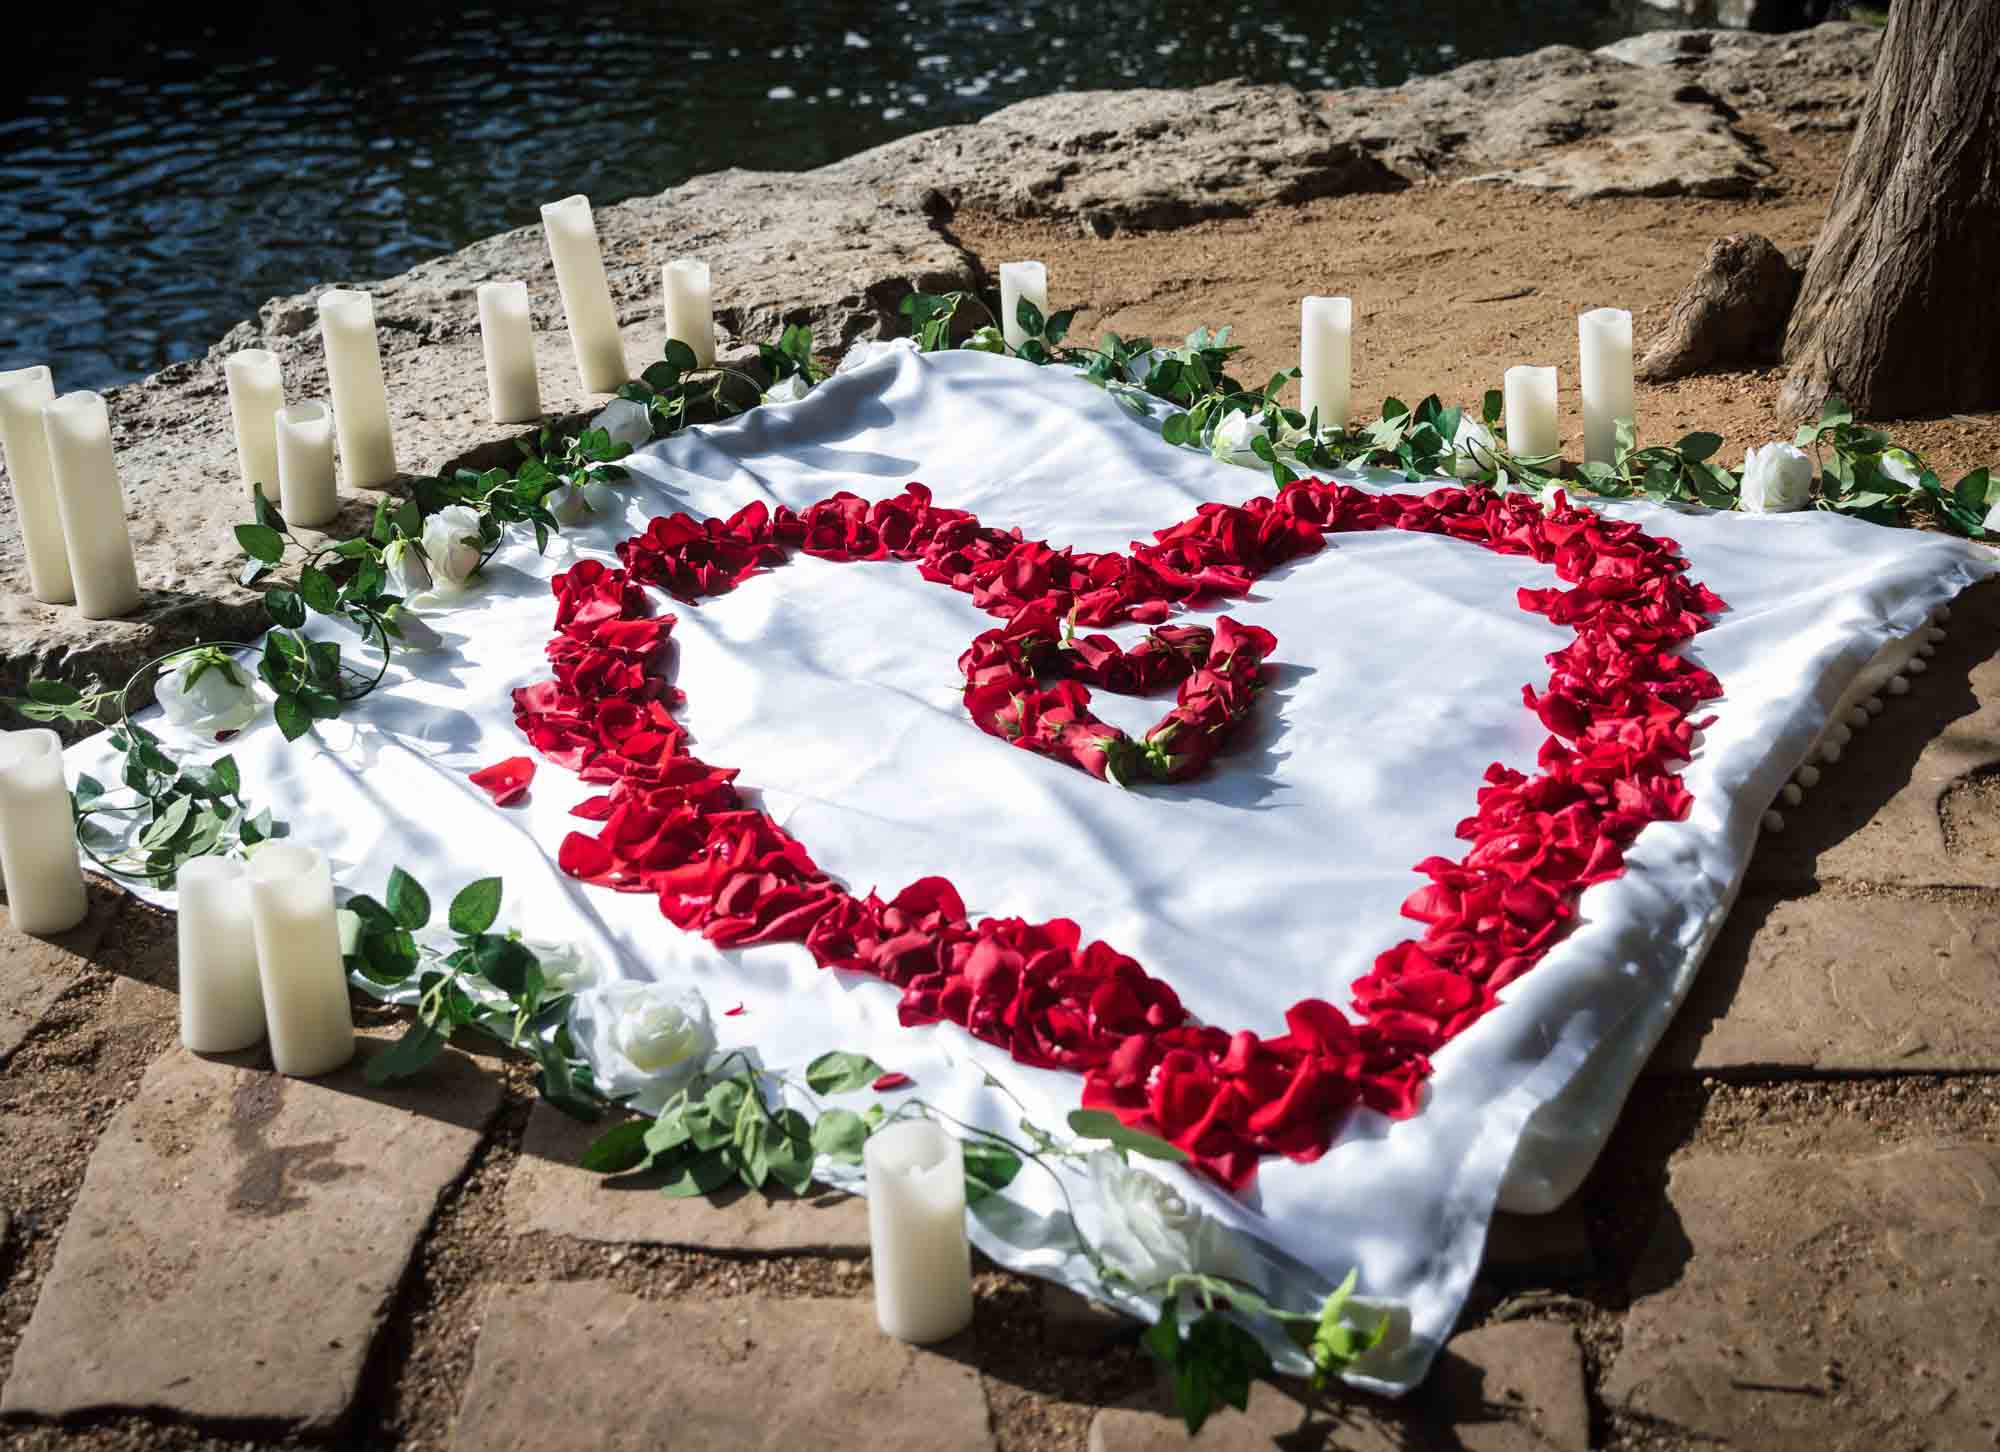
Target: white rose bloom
{"type": "Point", "coordinates": [566, 967]}
{"type": "Point", "coordinates": [1235, 435]}
{"type": "Point", "coordinates": [789, 389]}
{"type": "Point", "coordinates": [572, 505]}
{"type": "Point", "coordinates": [451, 544]}
{"type": "Point", "coordinates": [1147, 1230]}
{"type": "Point", "coordinates": [645, 1040]}
{"type": "Point", "coordinates": [627, 421]}
{"type": "Point", "coordinates": [206, 693]}
{"type": "Point", "coordinates": [1777, 479]}
{"type": "Point", "coordinates": [1901, 465]}
{"type": "Point", "coordinates": [1472, 448]}
{"type": "Point", "coordinates": [404, 564]}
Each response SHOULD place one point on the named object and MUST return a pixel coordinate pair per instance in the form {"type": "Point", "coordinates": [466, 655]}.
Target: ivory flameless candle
{"type": "Point", "coordinates": [78, 429]}
{"type": "Point", "coordinates": [916, 1231]}
{"type": "Point", "coordinates": [222, 998]}
{"type": "Point", "coordinates": [1529, 411]}
{"type": "Point", "coordinates": [26, 448]}
{"type": "Point", "coordinates": [1020, 280]}
{"type": "Point", "coordinates": [507, 332]}
{"type": "Point", "coordinates": [1604, 357]}
{"type": "Point", "coordinates": [586, 296]}
{"type": "Point", "coordinates": [354, 378]}
{"type": "Point", "coordinates": [256, 393]}
{"type": "Point", "coordinates": [690, 316]}
{"type": "Point", "coordinates": [38, 835]}
{"type": "Point", "coordinates": [306, 492]}
{"type": "Point", "coordinates": [1326, 357]}
{"type": "Point", "coordinates": [298, 960]}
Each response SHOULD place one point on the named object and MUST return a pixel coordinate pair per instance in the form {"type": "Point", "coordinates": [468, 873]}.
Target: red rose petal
{"type": "Point", "coordinates": [891, 1081]}
{"type": "Point", "coordinates": [505, 781]}
{"type": "Point", "coordinates": [732, 1012]}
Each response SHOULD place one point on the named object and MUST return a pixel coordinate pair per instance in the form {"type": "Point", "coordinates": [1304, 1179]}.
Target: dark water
{"type": "Point", "coordinates": [165, 169]}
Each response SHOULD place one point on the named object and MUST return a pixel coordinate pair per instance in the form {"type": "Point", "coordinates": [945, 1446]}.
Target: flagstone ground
{"type": "Point", "coordinates": [1790, 1242]}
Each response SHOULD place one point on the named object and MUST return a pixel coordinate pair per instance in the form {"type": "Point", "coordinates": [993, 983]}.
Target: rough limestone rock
{"type": "Point", "coordinates": [1733, 313]}
{"type": "Point", "coordinates": [1132, 159]}
{"type": "Point", "coordinates": [1814, 80]}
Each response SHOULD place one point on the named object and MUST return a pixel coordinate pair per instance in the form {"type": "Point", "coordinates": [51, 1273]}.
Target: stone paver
{"type": "Point", "coordinates": [239, 1238]}
{"type": "Point", "coordinates": [1878, 814]}
{"type": "Point", "coordinates": [547, 1192]}
{"type": "Point", "coordinates": [1538, 1249]}
{"type": "Point", "coordinates": [1518, 1383]}
{"type": "Point", "coordinates": [1845, 983]}
{"type": "Point", "coordinates": [1821, 1302]}
{"type": "Point", "coordinates": [1277, 1417]}
{"type": "Point", "coordinates": [585, 1367]}
{"type": "Point", "coordinates": [34, 972]}
{"type": "Point", "coordinates": [1073, 1323]}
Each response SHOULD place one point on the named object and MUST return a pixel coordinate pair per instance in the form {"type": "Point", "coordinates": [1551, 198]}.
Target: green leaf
{"type": "Point", "coordinates": [284, 606]}
{"type": "Point", "coordinates": [1101, 1124]}
{"type": "Point", "coordinates": [292, 717]}
{"type": "Point", "coordinates": [704, 1174]}
{"type": "Point", "coordinates": [162, 829]}
{"type": "Point", "coordinates": [261, 543]}
{"type": "Point", "coordinates": [839, 1135]}
{"type": "Point", "coordinates": [1336, 1342]}
{"type": "Point", "coordinates": [317, 589]}
{"type": "Point", "coordinates": [507, 963]}
{"type": "Point", "coordinates": [475, 907]}
{"type": "Point", "coordinates": [671, 1130]}
{"type": "Point", "coordinates": [267, 513]}
{"type": "Point", "coordinates": [420, 1044]}
{"type": "Point", "coordinates": [789, 1151]}
{"type": "Point", "coordinates": [54, 693]}
{"type": "Point", "coordinates": [1698, 446]}
{"type": "Point", "coordinates": [989, 1169]}
{"type": "Point", "coordinates": [408, 903]}
{"type": "Point", "coordinates": [1216, 1362]}
{"type": "Point", "coordinates": [679, 355]}
{"type": "Point", "coordinates": [1057, 326]}
{"type": "Point", "coordinates": [1029, 317]}
{"type": "Point", "coordinates": [1175, 428]}
{"type": "Point", "coordinates": [1491, 406]}
{"type": "Point", "coordinates": [620, 1149]}
{"type": "Point", "coordinates": [842, 1073]}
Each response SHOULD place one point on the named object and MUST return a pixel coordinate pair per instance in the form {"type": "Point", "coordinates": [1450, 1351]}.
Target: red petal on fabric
{"type": "Point", "coordinates": [732, 1012]}
{"type": "Point", "coordinates": [505, 781]}
{"type": "Point", "coordinates": [892, 1081]}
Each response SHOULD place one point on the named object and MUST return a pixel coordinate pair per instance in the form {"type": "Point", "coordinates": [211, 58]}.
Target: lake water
{"type": "Point", "coordinates": [164, 169]}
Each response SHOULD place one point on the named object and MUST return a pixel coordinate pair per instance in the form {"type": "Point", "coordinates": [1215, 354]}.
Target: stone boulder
{"type": "Point", "coordinates": [1732, 314]}
{"type": "Point", "coordinates": [1815, 80]}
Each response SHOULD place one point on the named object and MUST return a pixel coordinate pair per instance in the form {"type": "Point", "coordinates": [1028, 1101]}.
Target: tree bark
{"type": "Point", "coordinates": [1899, 314]}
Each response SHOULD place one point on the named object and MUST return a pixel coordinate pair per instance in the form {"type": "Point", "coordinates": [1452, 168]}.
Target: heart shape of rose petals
{"type": "Point", "coordinates": [1618, 708]}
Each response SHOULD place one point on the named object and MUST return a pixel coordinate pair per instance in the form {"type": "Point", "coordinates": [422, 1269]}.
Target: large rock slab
{"type": "Point", "coordinates": [239, 1238]}
{"type": "Point", "coordinates": [784, 248]}
{"type": "Point", "coordinates": [1277, 1417]}
{"type": "Point", "coordinates": [1845, 984]}
{"type": "Point", "coordinates": [1813, 80]}
{"type": "Point", "coordinates": [584, 1367]}
{"type": "Point", "coordinates": [35, 972]}
{"type": "Point", "coordinates": [548, 1193]}
{"type": "Point", "coordinates": [1138, 159]}
{"type": "Point", "coordinates": [1510, 1385]}
{"type": "Point", "coordinates": [1817, 1302]}
{"type": "Point", "coordinates": [1912, 802]}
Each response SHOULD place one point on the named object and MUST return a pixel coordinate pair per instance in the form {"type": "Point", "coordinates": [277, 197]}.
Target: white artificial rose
{"type": "Point", "coordinates": [1472, 448]}
{"type": "Point", "coordinates": [566, 967]}
{"type": "Point", "coordinates": [643, 1040]}
{"type": "Point", "coordinates": [574, 504]}
{"type": "Point", "coordinates": [627, 421]}
{"type": "Point", "coordinates": [1147, 1230]}
{"type": "Point", "coordinates": [1901, 465]}
{"type": "Point", "coordinates": [403, 562]}
{"type": "Point", "coordinates": [1235, 436]}
{"type": "Point", "coordinates": [451, 544]}
{"type": "Point", "coordinates": [1777, 479]}
{"type": "Point", "coordinates": [789, 389]}
{"type": "Point", "coordinates": [206, 692]}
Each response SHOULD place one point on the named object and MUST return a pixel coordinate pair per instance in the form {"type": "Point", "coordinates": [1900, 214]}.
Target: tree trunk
{"type": "Point", "coordinates": [1900, 311]}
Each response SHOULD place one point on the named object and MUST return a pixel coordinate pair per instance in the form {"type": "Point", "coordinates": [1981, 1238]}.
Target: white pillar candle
{"type": "Point", "coordinates": [38, 835]}
{"type": "Point", "coordinates": [354, 378]}
{"type": "Point", "coordinates": [222, 998]}
{"type": "Point", "coordinates": [507, 332]}
{"type": "Point", "coordinates": [1326, 357]}
{"type": "Point", "coordinates": [256, 393]}
{"type": "Point", "coordinates": [26, 449]}
{"type": "Point", "coordinates": [1604, 356]}
{"type": "Point", "coordinates": [1019, 280]}
{"type": "Point", "coordinates": [586, 296]}
{"type": "Point", "coordinates": [1529, 412]}
{"type": "Point", "coordinates": [306, 493]}
{"type": "Point", "coordinates": [690, 316]}
{"type": "Point", "coordinates": [78, 428]}
{"type": "Point", "coordinates": [916, 1231]}
{"type": "Point", "coordinates": [298, 960]}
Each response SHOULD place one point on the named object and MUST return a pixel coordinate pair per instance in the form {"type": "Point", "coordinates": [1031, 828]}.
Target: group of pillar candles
{"type": "Point", "coordinates": [259, 943]}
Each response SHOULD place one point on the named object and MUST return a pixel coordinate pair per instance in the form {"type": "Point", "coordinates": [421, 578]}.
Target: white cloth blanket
{"type": "Point", "coordinates": [1277, 876]}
